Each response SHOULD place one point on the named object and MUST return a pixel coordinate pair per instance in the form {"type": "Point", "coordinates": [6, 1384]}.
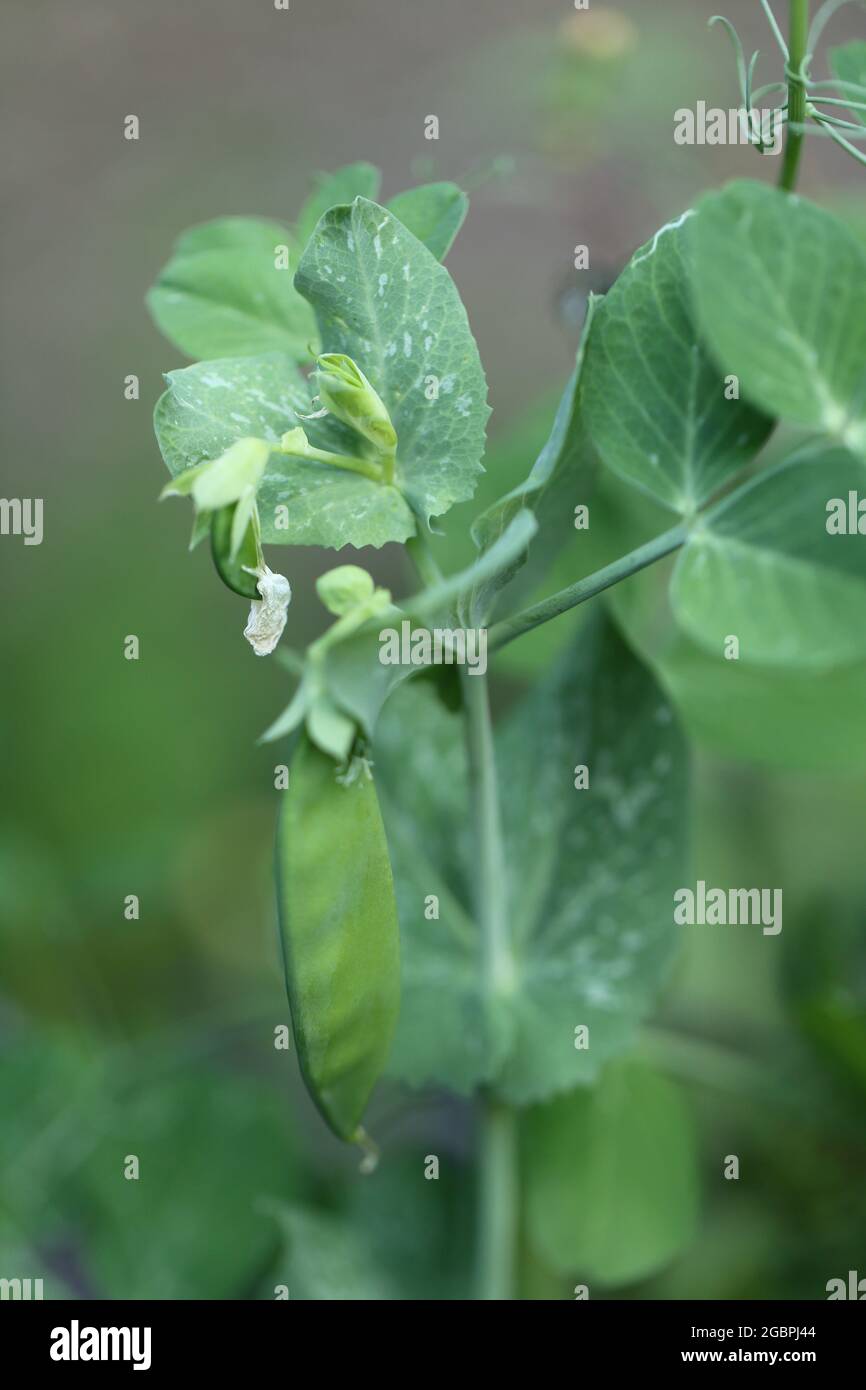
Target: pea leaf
{"type": "Point", "coordinates": [775, 715]}
{"type": "Point", "coordinates": [561, 478]}
{"type": "Point", "coordinates": [434, 213]}
{"type": "Point", "coordinates": [210, 1146]}
{"type": "Point", "coordinates": [353, 181]}
{"type": "Point", "coordinates": [444, 1033]}
{"type": "Point", "coordinates": [591, 872]}
{"type": "Point", "coordinates": [848, 63]}
{"type": "Point", "coordinates": [764, 568]}
{"type": "Point", "coordinates": [227, 292]}
{"type": "Point", "coordinates": [210, 405]}
{"type": "Point", "coordinates": [611, 1177]}
{"type": "Point", "coordinates": [239, 233]}
{"type": "Point", "coordinates": [391, 1240]}
{"type": "Point", "coordinates": [382, 298]}
{"type": "Point", "coordinates": [795, 331]}
{"type": "Point", "coordinates": [591, 875]}
{"type": "Point", "coordinates": [655, 402]}
{"type": "Point", "coordinates": [327, 1259]}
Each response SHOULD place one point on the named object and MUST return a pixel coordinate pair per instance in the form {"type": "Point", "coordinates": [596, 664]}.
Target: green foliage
{"type": "Point", "coordinates": [655, 401]}
{"type": "Point", "coordinates": [794, 333]}
{"type": "Point", "coordinates": [533, 865]}
{"type": "Point", "coordinates": [771, 539]}
{"type": "Point", "coordinates": [384, 300]}
{"type": "Point", "coordinates": [611, 1177]}
{"type": "Point", "coordinates": [434, 213]}
{"type": "Point", "coordinates": [591, 875]}
{"type": "Point", "coordinates": [849, 65]}
{"type": "Point", "coordinates": [207, 405]}
{"type": "Point", "coordinates": [228, 292]}
{"type": "Point", "coordinates": [563, 471]}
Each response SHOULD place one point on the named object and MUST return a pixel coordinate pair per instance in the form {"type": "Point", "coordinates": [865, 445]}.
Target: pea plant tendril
{"type": "Point", "coordinates": [802, 111]}
{"type": "Point", "coordinates": [479, 905]}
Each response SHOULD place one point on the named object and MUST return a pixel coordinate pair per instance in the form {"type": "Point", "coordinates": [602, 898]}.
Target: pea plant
{"type": "Point", "coordinates": [487, 909]}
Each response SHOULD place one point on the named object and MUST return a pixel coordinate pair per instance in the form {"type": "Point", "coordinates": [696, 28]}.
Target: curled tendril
{"type": "Point", "coordinates": [777, 33]}
{"type": "Point", "coordinates": [822, 123]}
{"type": "Point", "coordinates": [746, 76]}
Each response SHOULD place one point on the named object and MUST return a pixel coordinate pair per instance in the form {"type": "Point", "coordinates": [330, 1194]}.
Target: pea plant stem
{"type": "Point", "coordinates": [498, 1203]}
{"type": "Point", "coordinates": [798, 40]}
{"type": "Point", "coordinates": [506, 631]}
{"type": "Point", "coordinates": [497, 1175]}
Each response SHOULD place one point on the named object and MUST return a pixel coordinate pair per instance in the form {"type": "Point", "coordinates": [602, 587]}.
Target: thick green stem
{"type": "Point", "coordinates": [798, 40]}
{"type": "Point", "coordinates": [491, 898]}
{"type": "Point", "coordinates": [506, 631]}
{"type": "Point", "coordinates": [497, 1202]}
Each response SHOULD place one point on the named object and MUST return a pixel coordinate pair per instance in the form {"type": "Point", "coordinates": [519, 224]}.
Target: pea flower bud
{"type": "Point", "coordinates": [343, 588]}
{"type": "Point", "coordinates": [348, 395]}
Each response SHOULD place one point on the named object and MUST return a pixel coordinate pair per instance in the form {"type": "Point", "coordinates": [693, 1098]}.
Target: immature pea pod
{"type": "Point", "coordinates": [232, 571]}
{"type": "Point", "coordinates": [339, 934]}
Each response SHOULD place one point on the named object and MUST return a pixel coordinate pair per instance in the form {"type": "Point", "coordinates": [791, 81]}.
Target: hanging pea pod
{"type": "Point", "coordinates": [339, 934]}
{"type": "Point", "coordinates": [233, 571]}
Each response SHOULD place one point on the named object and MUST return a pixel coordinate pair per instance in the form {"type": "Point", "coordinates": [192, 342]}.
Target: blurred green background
{"type": "Point", "coordinates": [155, 1037]}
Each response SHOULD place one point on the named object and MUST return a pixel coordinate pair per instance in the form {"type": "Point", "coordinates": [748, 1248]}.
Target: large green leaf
{"type": "Point", "coordinates": [762, 567]}
{"type": "Point", "coordinates": [611, 1177]}
{"type": "Point", "coordinates": [326, 1259]}
{"type": "Point", "coordinates": [399, 1236]}
{"type": "Point", "coordinates": [227, 293]}
{"type": "Point", "coordinates": [780, 291]}
{"type": "Point", "coordinates": [769, 714]}
{"type": "Point", "coordinates": [655, 403]}
{"type": "Point", "coordinates": [849, 65]}
{"type": "Point", "coordinates": [212, 1149]}
{"type": "Point", "coordinates": [381, 297]}
{"type": "Point", "coordinates": [591, 874]}
{"type": "Point", "coordinates": [210, 405]}
{"type": "Point", "coordinates": [434, 213]}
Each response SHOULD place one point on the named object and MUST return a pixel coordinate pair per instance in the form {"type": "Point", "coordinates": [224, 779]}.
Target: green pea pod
{"type": "Point", "coordinates": [339, 934]}
{"type": "Point", "coordinates": [231, 571]}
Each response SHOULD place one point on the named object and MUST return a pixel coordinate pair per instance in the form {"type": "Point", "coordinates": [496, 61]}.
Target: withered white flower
{"type": "Point", "coordinates": [268, 614]}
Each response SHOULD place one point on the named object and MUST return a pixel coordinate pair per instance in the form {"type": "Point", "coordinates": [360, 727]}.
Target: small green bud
{"type": "Point", "coordinates": [347, 393]}
{"type": "Point", "coordinates": [343, 588]}
{"type": "Point", "coordinates": [295, 442]}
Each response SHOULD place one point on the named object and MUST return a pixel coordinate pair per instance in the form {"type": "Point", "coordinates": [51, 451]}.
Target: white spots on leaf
{"type": "Point", "coordinates": [462, 405]}
{"type": "Point", "coordinates": [407, 274]}
{"type": "Point", "coordinates": [383, 280]}
{"type": "Point", "coordinates": [428, 343]}
{"type": "Point", "coordinates": [377, 246]}
{"type": "Point", "coordinates": [407, 344]}
{"type": "Point", "coordinates": [350, 240]}
{"type": "Point", "coordinates": [446, 385]}
{"type": "Point", "coordinates": [212, 379]}
{"type": "Point", "coordinates": [390, 350]}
